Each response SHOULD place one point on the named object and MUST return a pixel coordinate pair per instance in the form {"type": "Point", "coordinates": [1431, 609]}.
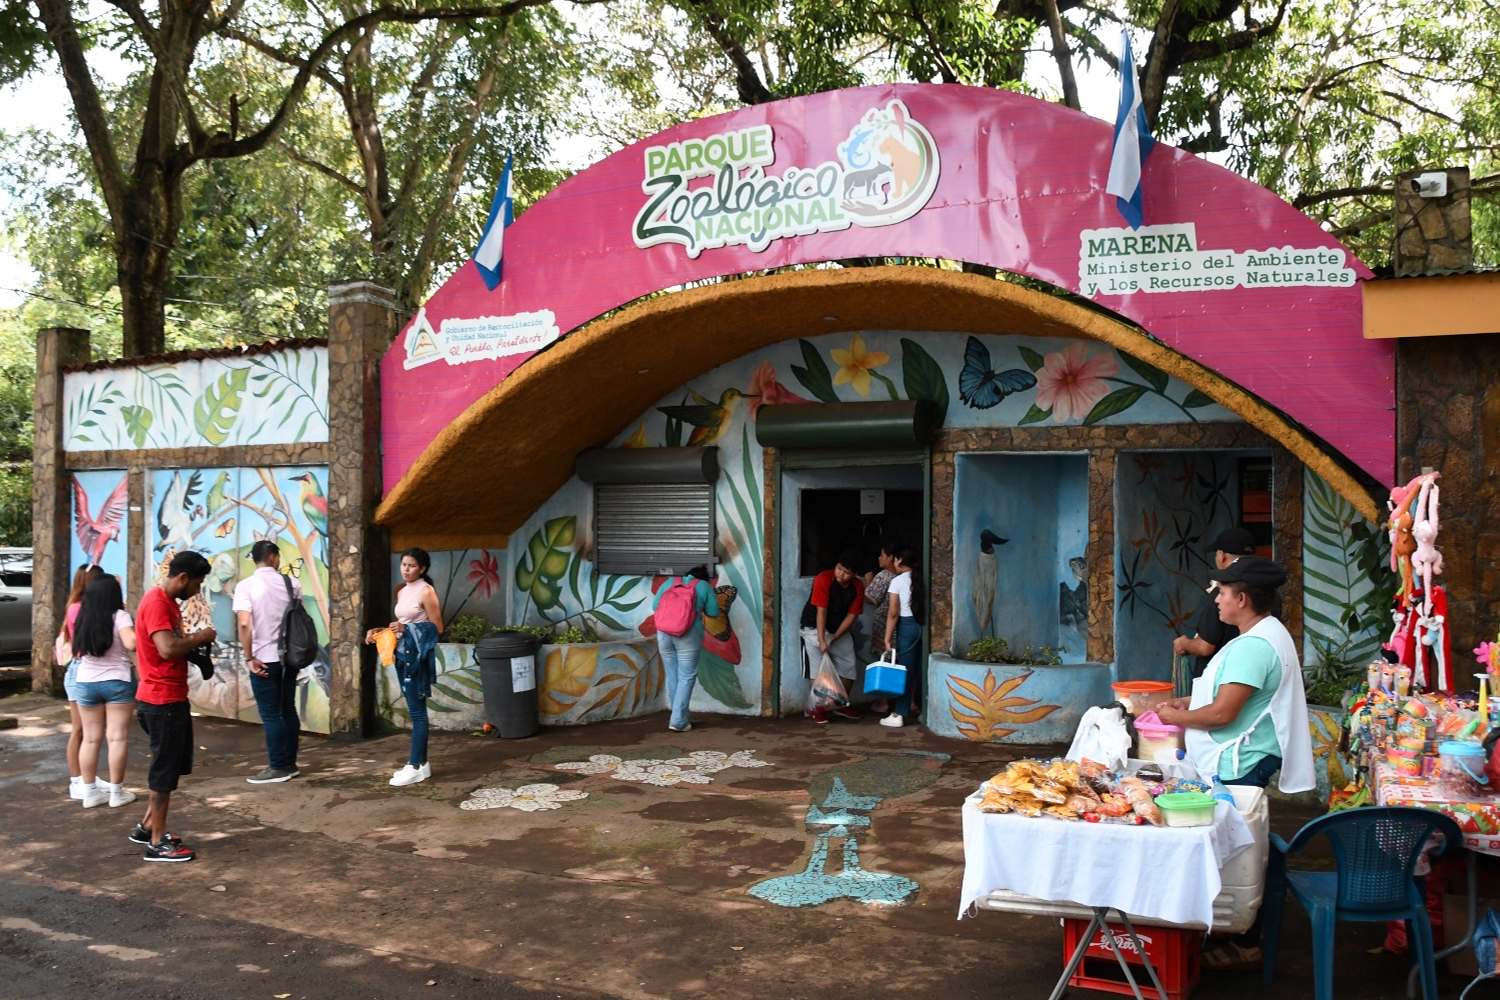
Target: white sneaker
{"type": "Point", "coordinates": [94, 796]}
{"type": "Point", "coordinates": [409, 775]}
{"type": "Point", "coordinates": [119, 796]}
{"type": "Point", "coordinates": [893, 720]}
{"type": "Point", "coordinates": [75, 788]}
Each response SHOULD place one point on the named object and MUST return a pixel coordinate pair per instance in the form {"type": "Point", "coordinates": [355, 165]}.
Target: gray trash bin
{"type": "Point", "coordinates": [508, 674]}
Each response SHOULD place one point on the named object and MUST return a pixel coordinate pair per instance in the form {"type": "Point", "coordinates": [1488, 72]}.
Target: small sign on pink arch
{"type": "Point", "coordinates": [1222, 269]}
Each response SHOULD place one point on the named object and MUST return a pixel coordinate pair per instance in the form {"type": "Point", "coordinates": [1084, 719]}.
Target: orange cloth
{"type": "Point", "coordinates": [385, 644]}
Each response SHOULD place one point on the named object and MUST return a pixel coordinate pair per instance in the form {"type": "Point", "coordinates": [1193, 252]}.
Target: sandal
{"type": "Point", "coordinates": [1232, 955]}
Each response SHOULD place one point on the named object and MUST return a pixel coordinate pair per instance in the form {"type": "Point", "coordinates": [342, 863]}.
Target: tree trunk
{"type": "Point", "coordinates": [144, 237]}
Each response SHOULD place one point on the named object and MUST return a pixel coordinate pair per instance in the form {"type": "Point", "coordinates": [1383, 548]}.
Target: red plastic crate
{"type": "Point", "coordinates": [1174, 953]}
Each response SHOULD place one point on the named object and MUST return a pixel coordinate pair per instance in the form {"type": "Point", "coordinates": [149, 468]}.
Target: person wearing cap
{"type": "Point", "coordinates": [1211, 632]}
{"type": "Point", "coordinates": [1247, 716]}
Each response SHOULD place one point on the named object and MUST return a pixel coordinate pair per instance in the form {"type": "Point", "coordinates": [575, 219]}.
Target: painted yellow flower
{"type": "Point", "coordinates": [856, 363]}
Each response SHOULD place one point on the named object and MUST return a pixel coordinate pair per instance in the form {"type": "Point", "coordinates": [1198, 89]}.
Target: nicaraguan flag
{"type": "Point", "coordinates": [1133, 141]}
{"type": "Point", "coordinates": [492, 240]}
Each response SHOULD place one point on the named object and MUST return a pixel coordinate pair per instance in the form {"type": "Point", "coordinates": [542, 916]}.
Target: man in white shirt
{"type": "Point", "coordinates": [260, 603]}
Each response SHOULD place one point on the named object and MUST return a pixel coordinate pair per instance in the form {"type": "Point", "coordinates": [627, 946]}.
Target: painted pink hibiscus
{"type": "Point", "coordinates": [485, 573]}
{"type": "Point", "coordinates": [1071, 383]}
{"type": "Point", "coordinates": [766, 391]}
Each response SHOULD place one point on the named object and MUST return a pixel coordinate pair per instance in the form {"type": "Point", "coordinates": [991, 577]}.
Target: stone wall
{"type": "Point", "coordinates": [1448, 419]}
{"type": "Point", "coordinates": [1432, 234]}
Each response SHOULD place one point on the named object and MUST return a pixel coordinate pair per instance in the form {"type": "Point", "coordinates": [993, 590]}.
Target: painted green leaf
{"type": "Point", "coordinates": [1035, 415]}
{"type": "Point", "coordinates": [608, 621]}
{"type": "Point", "coordinates": [541, 567]}
{"type": "Point", "coordinates": [717, 677]}
{"type": "Point", "coordinates": [815, 378]}
{"type": "Point", "coordinates": [1153, 375]}
{"type": "Point", "coordinates": [1033, 360]}
{"type": "Point", "coordinates": [923, 378]}
{"type": "Point", "coordinates": [219, 407]}
{"type": "Point", "coordinates": [137, 423]}
{"type": "Point", "coordinates": [1116, 402]}
{"type": "Point", "coordinates": [1196, 399]}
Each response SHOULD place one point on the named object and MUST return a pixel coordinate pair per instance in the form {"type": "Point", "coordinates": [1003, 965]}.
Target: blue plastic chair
{"type": "Point", "coordinates": [1375, 851]}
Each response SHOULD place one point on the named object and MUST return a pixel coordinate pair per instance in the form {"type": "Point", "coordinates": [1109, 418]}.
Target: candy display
{"type": "Point", "coordinates": [1086, 790]}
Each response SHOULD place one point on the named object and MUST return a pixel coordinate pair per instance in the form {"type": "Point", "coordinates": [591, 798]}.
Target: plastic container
{"type": "Point", "coordinates": [507, 674]}
{"type": "Point", "coordinates": [1187, 808]}
{"type": "Point", "coordinates": [1461, 769]}
{"type": "Point", "coordinates": [1141, 696]}
{"type": "Point", "coordinates": [1156, 740]}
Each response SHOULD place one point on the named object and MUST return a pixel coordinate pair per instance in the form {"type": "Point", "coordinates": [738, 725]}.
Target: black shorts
{"type": "Point", "coordinates": [170, 728]}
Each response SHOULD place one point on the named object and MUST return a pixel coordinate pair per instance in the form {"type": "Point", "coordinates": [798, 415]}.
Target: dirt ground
{"type": "Point", "coordinates": [678, 889]}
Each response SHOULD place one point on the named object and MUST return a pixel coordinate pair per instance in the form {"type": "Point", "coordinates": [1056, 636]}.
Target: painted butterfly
{"type": "Point", "coordinates": [980, 386]}
{"type": "Point", "coordinates": [718, 626]}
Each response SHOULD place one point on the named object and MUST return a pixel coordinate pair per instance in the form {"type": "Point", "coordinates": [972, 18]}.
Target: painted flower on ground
{"type": "Point", "coordinates": [599, 763]}
{"type": "Point", "coordinates": [856, 363]}
{"type": "Point", "coordinates": [484, 573]}
{"type": "Point", "coordinates": [1071, 382]}
{"type": "Point", "coordinates": [665, 774]}
{"type": "Point", "coordinates": [765, 390]}
{"type": "Point", "coordinates": [527, 798]}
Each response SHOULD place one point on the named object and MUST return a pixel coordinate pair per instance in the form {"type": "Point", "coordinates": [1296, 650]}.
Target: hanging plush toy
{"type": "Point", "coordinates": [1426, 560]}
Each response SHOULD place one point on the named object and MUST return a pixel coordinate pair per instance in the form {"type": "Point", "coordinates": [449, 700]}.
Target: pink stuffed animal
{"type": "Point", "coordinates": [1426, 561]}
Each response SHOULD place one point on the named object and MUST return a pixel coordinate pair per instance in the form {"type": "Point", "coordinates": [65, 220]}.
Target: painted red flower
{"type": "Point", "coordinates": [766, 391]}
{"type": "Point", "coordinates": [485, 574]}
{"type": "Point", "coordinates": [1071, 382]}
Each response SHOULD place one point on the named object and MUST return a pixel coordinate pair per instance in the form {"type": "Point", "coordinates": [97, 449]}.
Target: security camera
{"type": "Point", "coordinates": [1433, 184]}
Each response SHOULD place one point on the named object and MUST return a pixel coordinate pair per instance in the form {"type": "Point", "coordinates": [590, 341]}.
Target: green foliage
{"type": "Point", "coordinates": [1348, 586]}
{"type": "Point", "coordinates": [922, 378]}
{"type": "Point", "coordinates": [17, 386]}
{"type": "Point", "coordinates": [815, 377]}
{"type": "Point", "coordinates": [15, 504]}
{"type": "Point", "coordinates": [467, 628]}
{"type": "Point", "coordinates": [540, 569]}
{"type": "Point", "coordinates": [570, 635]}
{"type": "Point", "coordinates": [996, 649]}
{"type": "Point", "coordinates": [1333, 669]}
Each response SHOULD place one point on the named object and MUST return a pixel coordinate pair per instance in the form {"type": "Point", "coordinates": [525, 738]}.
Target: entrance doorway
{"type": "Point", "coordinates": [823, 512]}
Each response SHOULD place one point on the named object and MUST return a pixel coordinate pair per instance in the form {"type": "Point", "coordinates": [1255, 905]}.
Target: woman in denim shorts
{"type": "Point", "coordinates": [104, 638]}
{"type": "Point", "coordinates": [70, 678]}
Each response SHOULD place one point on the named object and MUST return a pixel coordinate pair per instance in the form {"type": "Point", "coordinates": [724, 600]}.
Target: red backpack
{"type": "Point", "coordinates": [678, 608]}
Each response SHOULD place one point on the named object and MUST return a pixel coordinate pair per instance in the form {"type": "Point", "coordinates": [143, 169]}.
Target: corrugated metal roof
{"type": "Point", "coordinates": [1384, 273]}
{"type": "Point", "coordinates": [237, 351]}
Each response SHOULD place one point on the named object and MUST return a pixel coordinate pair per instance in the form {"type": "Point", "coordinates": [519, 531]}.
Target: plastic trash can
{"type": "Point", "coordinates": [508, 675]}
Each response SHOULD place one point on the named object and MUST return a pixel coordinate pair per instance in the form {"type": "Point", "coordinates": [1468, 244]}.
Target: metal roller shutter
{"type": "Point", "coordinates": [653, 528]}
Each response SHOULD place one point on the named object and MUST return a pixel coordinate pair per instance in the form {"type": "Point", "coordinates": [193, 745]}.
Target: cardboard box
{"type": "Point", "coordinates": [1455, 925]}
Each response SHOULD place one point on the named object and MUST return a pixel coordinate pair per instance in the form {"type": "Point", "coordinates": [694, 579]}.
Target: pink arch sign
{"type": "Point", "coordinates": [1222, 270]}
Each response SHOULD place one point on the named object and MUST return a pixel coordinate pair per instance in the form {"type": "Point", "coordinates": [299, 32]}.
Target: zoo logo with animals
{"type": "Point", "coordinates": [886, 171]}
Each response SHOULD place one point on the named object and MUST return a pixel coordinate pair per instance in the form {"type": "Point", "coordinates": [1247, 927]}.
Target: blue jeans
{"type": "Point", "coordinates": [1260, 775]}
{"type": "Point", "coordinates": [276, 698]}
{"type": "Point", "coordinates": [416, 708]}
{"type": "Point", "coordinates": [679, 660]}
{"type": "Point", "coordinates": [908, 641]}
{"type": "Point", "coordinates": [70, 680]}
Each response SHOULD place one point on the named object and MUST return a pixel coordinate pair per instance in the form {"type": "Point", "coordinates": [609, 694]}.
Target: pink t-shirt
{"type": "Point", "coordinates": [114, 665]}
{"type": "Point", "coordinates": [263, 594]}
{"type": "Point", "coordinates": [72, 617]}
{"type": "Point", "coordinates": [409, 610]}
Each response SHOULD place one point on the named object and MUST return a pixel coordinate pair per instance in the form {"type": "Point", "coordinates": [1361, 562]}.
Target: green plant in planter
{"type": "Point", "coordinates": [1334, 668]}
{"type": "Point", "coordinates": [574, 634]}
{"type": "Point", "coordinates": [996, 649]}
{"type": "Point", "coordinates": [467, 628]}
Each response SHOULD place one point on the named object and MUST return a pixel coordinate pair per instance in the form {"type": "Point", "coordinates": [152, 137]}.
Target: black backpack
{"type": "Point", "coordinates": [297, 643]}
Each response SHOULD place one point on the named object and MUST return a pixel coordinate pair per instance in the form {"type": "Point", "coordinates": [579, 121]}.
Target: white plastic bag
{"type": "Point", "coordinates": [1103, 737]}
{"type": "Point", "coordinates": [827, 687]}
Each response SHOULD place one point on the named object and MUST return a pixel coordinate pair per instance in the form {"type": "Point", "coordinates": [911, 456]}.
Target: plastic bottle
{"type": "Point", "coordinates": [1220, 791]}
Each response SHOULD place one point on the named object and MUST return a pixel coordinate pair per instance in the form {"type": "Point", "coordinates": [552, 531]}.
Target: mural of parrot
{"type": "Point", "coordinates": [986, 579]}
{"type": "Point", "coordinates": [709, 419]}
{"type": "Point", "coordinates": [314, 503]}
{"type": "Point", "coordinates": [95, 533]}
{"type": "Point", "coordinates": [216, 493]}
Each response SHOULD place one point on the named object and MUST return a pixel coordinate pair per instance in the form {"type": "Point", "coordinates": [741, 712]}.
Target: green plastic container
{"type": "Point", "coordinates": [1186, 808]}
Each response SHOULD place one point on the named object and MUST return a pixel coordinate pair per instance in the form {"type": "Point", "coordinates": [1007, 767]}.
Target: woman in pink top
{"type": "Point", "coordinates": [70, 677]}
{"type": "Point", "coordinates": [103, 639]}
{"type": "Point", "coordinates": [417, 611]}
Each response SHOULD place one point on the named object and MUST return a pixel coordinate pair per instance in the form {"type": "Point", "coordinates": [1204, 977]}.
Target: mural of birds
{"type": "Point", "coordinates": [314, 503]}
{"type": "Point", "coordinates": [986, 579]}
{"type": "Point", "coordinates": [95, 533]}
{"type": "Point", "coordinates": [216, 493]}
{"type": "Point", "coordinates": [709, 419]}
{"type": "Point", "coordinates": [174, 515]}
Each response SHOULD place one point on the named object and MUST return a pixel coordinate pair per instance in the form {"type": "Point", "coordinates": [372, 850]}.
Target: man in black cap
{"type": "Point", "coordinates": [1211, 635]}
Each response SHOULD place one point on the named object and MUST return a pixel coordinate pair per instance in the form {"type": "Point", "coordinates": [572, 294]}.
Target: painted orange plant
{"type": "Point", "coordinates": [992, 708]}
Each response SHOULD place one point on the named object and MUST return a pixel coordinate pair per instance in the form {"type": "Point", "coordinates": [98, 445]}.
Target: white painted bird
{"type": "Point", "coordinates": [986, 579]}
{"type": "Point", "coordinates": [174, 515]}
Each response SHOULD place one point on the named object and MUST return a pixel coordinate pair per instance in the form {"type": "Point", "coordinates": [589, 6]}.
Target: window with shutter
{"type": "Point", "coordinates": [653, 528]}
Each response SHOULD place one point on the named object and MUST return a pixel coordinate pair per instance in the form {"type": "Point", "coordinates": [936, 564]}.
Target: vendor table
{"type": "Point", "coordinates": [1158, 874]}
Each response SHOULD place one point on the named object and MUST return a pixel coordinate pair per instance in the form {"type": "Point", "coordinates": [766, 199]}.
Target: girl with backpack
{"type": "Point", "coordinates": [679, 610]}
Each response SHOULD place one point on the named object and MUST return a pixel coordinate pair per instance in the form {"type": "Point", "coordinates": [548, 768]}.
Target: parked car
{"type": "Point", "coordinates": [15, 605]}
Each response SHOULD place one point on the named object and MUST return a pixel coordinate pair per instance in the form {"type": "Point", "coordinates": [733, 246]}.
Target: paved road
{"type": "Point", "coordinates": [60, 939]}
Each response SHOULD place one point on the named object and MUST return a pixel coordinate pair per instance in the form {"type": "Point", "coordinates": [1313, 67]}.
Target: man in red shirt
{"type": "Point", "coordinates": [162, 698]}
{"type": "Point", "coordinates": [837, 599]}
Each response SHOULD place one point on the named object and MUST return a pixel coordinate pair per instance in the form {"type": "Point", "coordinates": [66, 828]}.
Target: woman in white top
{"type": "Point", "coordinates": [103, 639]}
{"type": "Point", "coordinates": [903, 626]}
{"type": "Point", "coordinates": [417, 611]}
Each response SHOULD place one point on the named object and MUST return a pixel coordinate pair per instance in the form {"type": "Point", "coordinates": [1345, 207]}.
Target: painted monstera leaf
{"type": "Point", "coordinates": [540, 570]}
{"type": "Point", "coordinates": [989, 712]}
{"type": "Point", "coordinates": [219, 407]}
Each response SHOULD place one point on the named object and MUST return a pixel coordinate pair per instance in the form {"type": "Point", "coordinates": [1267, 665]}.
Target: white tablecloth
{"type": "Point", "coordinates": [1166, 873]}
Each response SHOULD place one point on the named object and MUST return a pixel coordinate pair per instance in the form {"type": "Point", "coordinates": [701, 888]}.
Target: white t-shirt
{"type": "Point", "coordinates": [901, 587]}
{"type": "Point", "coordinates": [114, 665]}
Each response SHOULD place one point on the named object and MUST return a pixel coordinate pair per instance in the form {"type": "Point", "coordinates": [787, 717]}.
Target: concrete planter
{"type": "Point", "coordinates": [1006, 703]}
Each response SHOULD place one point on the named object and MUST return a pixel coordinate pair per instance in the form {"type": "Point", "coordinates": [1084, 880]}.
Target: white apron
{"type": "Point", "coordinates": [1287, 712]}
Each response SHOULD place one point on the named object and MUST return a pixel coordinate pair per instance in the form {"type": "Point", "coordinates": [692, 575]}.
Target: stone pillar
{"type": "Point", "coordinates": [362, 323]}
{"type": "Point", "coordinates": [1100, 641]}
{"type": "Point", "coordinates": [1432, 234]}
{"type": "Point", "coordinates": [51, 508]}
{"type": "Point", "coordinates": [1287, 488]}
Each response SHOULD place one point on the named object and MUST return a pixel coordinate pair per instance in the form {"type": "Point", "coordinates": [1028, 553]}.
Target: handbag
{"type": "Point", "coordinates": [62, 650]}
{"type": "Point", "coordinates": [885, 677]}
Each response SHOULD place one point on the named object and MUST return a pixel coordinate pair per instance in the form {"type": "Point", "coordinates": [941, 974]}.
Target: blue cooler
{"type": "Point", "coordinates": [885, 677]}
